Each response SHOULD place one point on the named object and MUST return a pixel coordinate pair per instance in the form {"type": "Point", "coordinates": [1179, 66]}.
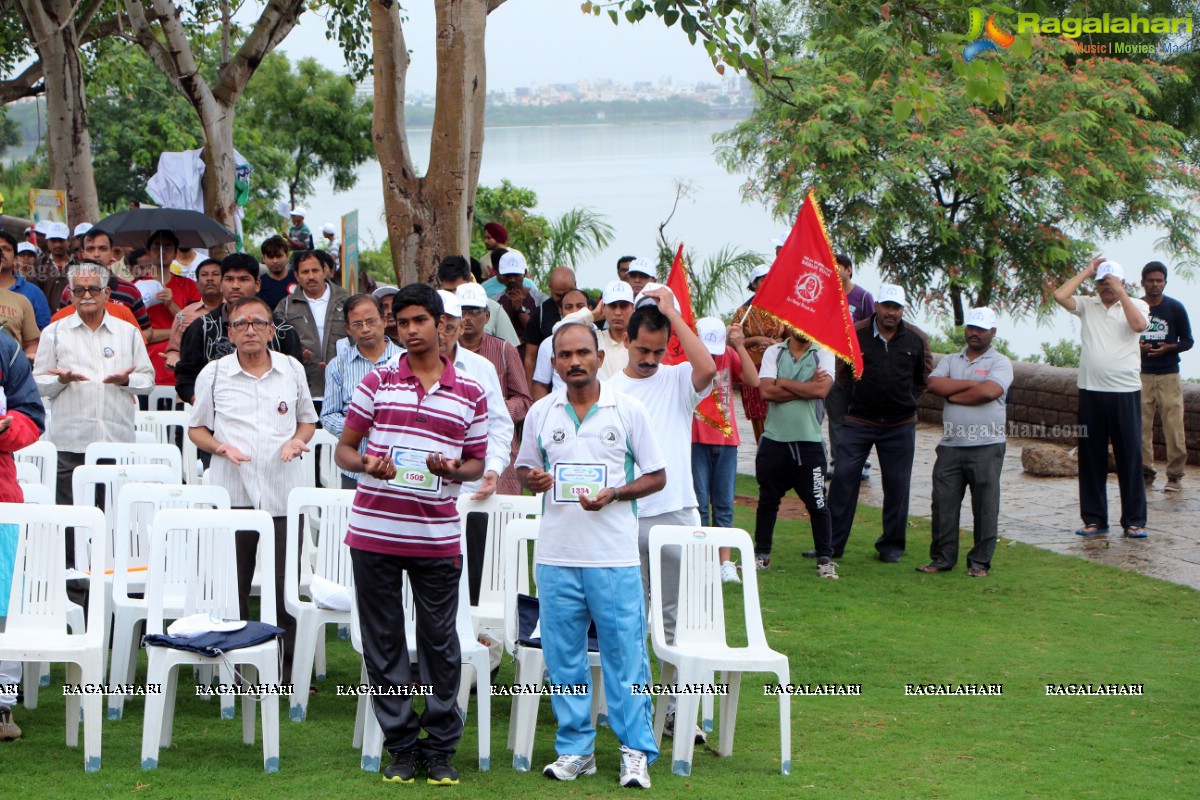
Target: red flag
{"type": "Point", "coordinates": [709, 410]}
{"type": "Point", "coordinates": [804, 288]}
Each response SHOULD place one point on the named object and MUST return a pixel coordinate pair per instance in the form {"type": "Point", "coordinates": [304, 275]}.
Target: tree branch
{"type": "Point", "coordinates": [27, 84]}
{"type": "Point", "coordinates": [275, 23]}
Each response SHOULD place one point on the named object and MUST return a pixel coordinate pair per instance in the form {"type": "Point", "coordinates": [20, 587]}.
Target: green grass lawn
{"type": "Point", "coordinates": [1040, 618]}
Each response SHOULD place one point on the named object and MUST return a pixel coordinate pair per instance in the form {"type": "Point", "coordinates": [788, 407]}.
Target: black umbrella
{"type": "Point", "coordinates": [133, 227]}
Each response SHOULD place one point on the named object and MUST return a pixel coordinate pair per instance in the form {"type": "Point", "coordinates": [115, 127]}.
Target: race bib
{"type": "Point", "coordinates": [572, 481]}
{"type": "Point", "coordinates": [412, 471]}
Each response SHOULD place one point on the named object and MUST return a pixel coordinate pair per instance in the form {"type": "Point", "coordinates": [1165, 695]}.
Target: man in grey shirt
{"type": "Point", "coordinates": [971, 453]}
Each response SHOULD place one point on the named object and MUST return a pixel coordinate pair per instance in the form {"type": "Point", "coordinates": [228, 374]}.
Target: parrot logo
{"type": "Point", "coordinates": [985, 37]}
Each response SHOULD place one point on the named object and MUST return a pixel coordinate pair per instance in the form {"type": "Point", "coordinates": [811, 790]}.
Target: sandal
{"type": "Point", "coordinates": [977, 572]}
{"type": "Point", "coordinates": [1091, 529]}
{"type": "Point", "coordinates": [1135, 532]}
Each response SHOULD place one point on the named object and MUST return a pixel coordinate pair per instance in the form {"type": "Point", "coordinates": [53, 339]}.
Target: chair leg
{"type": "Point", "coordinates": [599, 700]}
{"type": "Point", "coordinates": [464, 690]}
{"type": "Point", "coordinates": [687, 706]}
{"type": "Point", "coordinates": [361, 712]}
{"type": "Point", "coordinates": [153, 727]}
{"type": "Point", "coordinates": [483, 713]}
{"type": "Point", "coordinates": [270, 729]}
{"type": "Point", "coordinates": [667, 674]}
{"type": "Point", "coordinates": [124, 656]}
{"type": "Point", "coordinates": [729, 707]}
{"type": "Point", "coordinates": [785, 726]}
{"type": "Point", "coordinates": [306, 649]}
{"type": "Point", "coordinates": [226, 677]}
{"type": "Point", "coordinates": [168, 714]}
{"type": "Point", "coordinates": [248, 716]}
{"type": "Point", "coordinates": [525, 711]}
{"type": "Point", "coordinates": [319, 660]}
{"type": "Point", "coordinates": [372, 742]}
{"type": "Point", "coordinates": [32, 678]}
{"type": "Point", "coordinates": [93, 714]}
{"type": "Point", "coordinates": [73, 678]}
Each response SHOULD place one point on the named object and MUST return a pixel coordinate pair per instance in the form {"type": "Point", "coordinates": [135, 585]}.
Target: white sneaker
{"type": "Point", "coordinates": [827, 570]}
{"type": "Point", "coordinates": [729, 573]}
{"type": "Point", "coordinates": [635, 771]}
{"type": "Point", "coordinates": [568, 768]}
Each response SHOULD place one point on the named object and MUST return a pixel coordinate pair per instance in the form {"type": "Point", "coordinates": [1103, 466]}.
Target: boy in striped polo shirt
{"type": "Point", "coordinates": [426, 428]}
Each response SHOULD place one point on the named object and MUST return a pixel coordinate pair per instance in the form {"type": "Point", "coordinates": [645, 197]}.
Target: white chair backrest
{"type": "Point", "coordinates": [162, 425]}
{"type": "Point", "coordinates": [317, 520]}
{"type": "Point", "coordinates": [502, 509]}
{"type": "Point", "coordinates": [700, 619]}
{"type": "Point", "coordinates": [88, 479]}
{"type": "Point", "coordinates": [37, 494]}
{"type": "Point", "coordinates": [43, 455]}
{"type": "Point", "coordinates": [135, 453]}
{"type": "Point", "coordinates": [37, 600]}
{"type": "Point", "coordinates": [137, 505]}
{"type": "Point", "coordinates": [516, 555]}
{"type": "Point", "coordinates": [28, 473]}
{"type": "Point", "coordinates": [162, 398]}
{"type": "Point", "coordinates": [192, 556]}
{"type": "Point", "coordinates": [322, 444]}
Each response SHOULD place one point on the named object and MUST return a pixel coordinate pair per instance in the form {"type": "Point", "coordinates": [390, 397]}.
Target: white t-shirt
{"type": "Point", "coordinates": [670, 399]}
{"type": "Point", "coordinates": [544, 372]}
{"type": "Point", "coordinates": [1111, 360]}
{"type": "Point", "coordinates": [614, 436]}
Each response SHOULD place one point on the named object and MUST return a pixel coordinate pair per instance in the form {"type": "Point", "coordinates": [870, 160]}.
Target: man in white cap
{"type": "Point", "coordinates": [1110, 395]}
{"type": "Point", "coordinates": [615, 308]}
{"type": "Point", "coordinates": [715, 441]}
{"type": "Point", "coordinates": [516, 300]}
{"type": "Point", "coordinates": [975, 384]}
{"type": "Point", "coordinates": [881, 412]}
{"type": "Point", "coordinates": [299, 237]}
{"type": "Point", "coordinates": [640, 273]}
{"type": "Point", "coordinates": [80, 231]}
{"type": "Point", "coordinates": [670, 394]}
{"type": "Point", "coordinates": [330, 242]}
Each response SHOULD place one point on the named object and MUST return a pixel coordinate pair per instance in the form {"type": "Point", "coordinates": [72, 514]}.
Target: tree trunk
{"type": "Point", "coordinates": [219, 197]}
{"type": "Point", "coordinates": [956, 302]}
{"type": "Point", "coordinates": [68, 145]}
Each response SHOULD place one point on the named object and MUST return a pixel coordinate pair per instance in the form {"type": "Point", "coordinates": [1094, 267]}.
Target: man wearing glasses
{"type": "Point", "coordinates": [88, 365]}
{"type": "Point", "coordinates": [254, 413]}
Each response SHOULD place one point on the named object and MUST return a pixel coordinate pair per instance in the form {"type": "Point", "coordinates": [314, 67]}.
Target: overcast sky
{"type": "Point", "coordinates": [537, 42]}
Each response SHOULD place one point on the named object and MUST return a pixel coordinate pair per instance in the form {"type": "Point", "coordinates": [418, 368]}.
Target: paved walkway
{"type": "Point", "coordinates": [1045, 512]}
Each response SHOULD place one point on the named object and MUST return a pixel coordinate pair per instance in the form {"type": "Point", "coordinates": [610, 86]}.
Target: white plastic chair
{"type": "Point", "coordinates": [701, 647]}
{"type": "Point", "coordinates": [136, 507]}
{"type": "Point", "coordinates": [164, 426]}
{"type": "Point", "coordinates": [530, 662]}
{"type": "Point", "coordinates": [135, 453]}
{"type": "Point", "coordinates": [488, 613]}
{"type": "Point", "coordinates": [37, 494]}
{"type": "Point", "coordinates": [36, 627]}
{"type": "Point", "coordinates": [191, 555]}
{"type": "Point", "coordinates": [44, 456]}
{"type": "Point", "coordinates": [163, 398]}
{"type": "Point", "coordinates": [321, 447]}
{"type": "Point", "coordinates": [321, 517]}
{"type": "Point", "coordinates": [474, 655]}
{"type": "Point", "coordinates": [28, 473]}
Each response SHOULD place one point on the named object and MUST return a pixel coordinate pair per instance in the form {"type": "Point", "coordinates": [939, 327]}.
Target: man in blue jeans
{"type": "Point", "coordinates": [881, 411]}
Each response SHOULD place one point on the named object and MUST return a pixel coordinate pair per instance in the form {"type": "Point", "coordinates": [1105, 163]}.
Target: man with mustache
{"type": "Point", "coordinates": [975, 383]}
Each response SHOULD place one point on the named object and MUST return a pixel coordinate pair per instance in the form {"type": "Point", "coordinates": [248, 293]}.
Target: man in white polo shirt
{"type": "Point", "coordinates": [579, 451]}
{"type": "Point", "coordinates": [1110, 395]}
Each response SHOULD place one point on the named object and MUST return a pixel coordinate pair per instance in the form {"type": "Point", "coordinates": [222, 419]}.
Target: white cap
{"type": "Point", "coordinates": [981, 318]}
{"type": "Point", "coordinates": [471, 295]}
{"type": "Point", "coordinates": [43, 226]}
{"type": "Point", "coordinates": [58, 230]}
{"type": "Point", "coordinates": [778, 241]}
{"type": "Point", "coordinates": [617, 292]}
{"type": "Point", "coordinates": [384, 291]}
{"type": "Point", "coordinates": [27, 247]}
{"type": "Point", "coordinates": [512, 263]}
{"type": "Point", "coordinates": [328, 228]}
{"type": "Point", "coordinates": [1110, 268]}
{"type": "Point", "coordinates": [450, 303]}
{"type": "Point", "coordinates": [890, 293]}
{"type": "Point", "coordinates": [758, 272]}
{"type": "Point", "coordinates": [643, 266]}
{"type": "Point", "coordinates": [299, 211]}
{"type": "Point", "coordinates": [711, 331]}
{"type": "Point", "coordinates": [643, 300]}
{"type": "Point", "coordinates": [82, 228]}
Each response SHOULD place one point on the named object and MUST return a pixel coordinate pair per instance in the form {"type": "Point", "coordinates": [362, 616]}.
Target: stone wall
{"type": "Point", "coordinates": [1044, 397]}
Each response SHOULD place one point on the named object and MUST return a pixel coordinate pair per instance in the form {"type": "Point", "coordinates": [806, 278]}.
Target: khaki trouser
{"type": "Point", "coordinates": [1164, 393]}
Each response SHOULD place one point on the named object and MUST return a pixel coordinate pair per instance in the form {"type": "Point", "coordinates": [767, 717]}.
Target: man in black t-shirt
{"type": "Point", "coordinates": [1169, 334]}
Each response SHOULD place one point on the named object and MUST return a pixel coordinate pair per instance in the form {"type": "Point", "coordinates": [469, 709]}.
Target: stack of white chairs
{"type": "Point", "coordinates": [163, 398]}
{"type": "Point", "coordinates": [488, 613]}
{"type": "Point", "coordinates": [123, 453]}
{"type": "Point", "coordinates": [43, 457]}
{"type": "Point", "coordinates": [36, 627]}
{"type": "Point", "coordinates": [136, 507]}
{"type": "Point", "coordinates": [530, 662]}
{"type": "Point", "coordinates": [190, 558]}
{"type": "Point", "coordinates": [701, 647]}
{"type": "Point", "coordinates": [316, 529]}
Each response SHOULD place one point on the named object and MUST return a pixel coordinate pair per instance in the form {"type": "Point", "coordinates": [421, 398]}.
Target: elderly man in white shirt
{"type": "Point", "coordinates": [89, 365]}
{"type": "Point", "coordinates": [254, 413]}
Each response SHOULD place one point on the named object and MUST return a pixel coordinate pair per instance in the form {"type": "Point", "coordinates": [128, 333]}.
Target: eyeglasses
{"type": "Point", "coordinates": [259, 325]}
{"type": "Point", "coordinates": [80, 291]}
{"type": "Point", "coordinates": [364, 323]}
{"type": "Point", "coordinates": [473, 311]}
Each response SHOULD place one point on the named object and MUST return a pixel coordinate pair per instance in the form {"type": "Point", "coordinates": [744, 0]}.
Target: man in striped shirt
{"type": "Point", "coordinates": [428, 428]}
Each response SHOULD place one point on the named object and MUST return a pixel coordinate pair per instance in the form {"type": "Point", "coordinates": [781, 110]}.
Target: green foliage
{"type": "Point", "coordinates": [1063, 353]}
{"type": "Point", "coordinates": [10, 133]}
{"type": "Point", "coordinates": [963, 202]}
{"type": "Point", "coordinates": [17, 178]}
{"type": "Point", "coordinates": [377, 261]}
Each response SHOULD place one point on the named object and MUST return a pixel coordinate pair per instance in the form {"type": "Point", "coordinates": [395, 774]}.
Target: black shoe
{"type": "Point", "coordinates": [809, 554]}
{"type": "Point", "coordinates": [889, 558]}
{"type": "Point", "coordinates": [403, 768]}
{"type": "Point", "coordinates": [441, 772]}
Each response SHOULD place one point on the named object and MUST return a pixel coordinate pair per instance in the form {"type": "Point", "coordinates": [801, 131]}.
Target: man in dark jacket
{"type": "Point", "coordinates": [881, 411]}
{"type": "Point", "coordinates": [207, 338]}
